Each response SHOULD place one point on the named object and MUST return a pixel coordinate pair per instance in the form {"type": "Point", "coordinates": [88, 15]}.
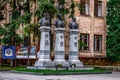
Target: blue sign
{"type": "Point", "coordinates": [8, 52]}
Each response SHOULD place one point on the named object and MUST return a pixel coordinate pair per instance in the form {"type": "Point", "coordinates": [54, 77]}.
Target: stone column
{"type": "Point", "coordinates": [44, 60]}
{"type": "Point", "coordinates": [60, 48]}
{"type": "Point", "coordinates": [73, 49]}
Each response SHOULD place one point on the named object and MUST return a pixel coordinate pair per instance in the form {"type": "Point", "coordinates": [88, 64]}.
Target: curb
{"type": "Point", "coordinates": [70, 73]}
{"type": "Point", "coordinates": [4, 70]}
{"type": "Point", "coordinates": [111, 68]}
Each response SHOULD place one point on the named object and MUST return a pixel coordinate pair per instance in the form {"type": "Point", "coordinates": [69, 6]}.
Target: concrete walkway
{"type": "Point", "coordinates": [15, 76]}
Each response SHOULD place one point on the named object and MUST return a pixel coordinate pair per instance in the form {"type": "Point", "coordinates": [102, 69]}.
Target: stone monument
{"type": "Point", "coordinates": [59, 43]}
{"type": "Point", "coordinates": [44, 60]}
{"type": "Point", "coordinates": [73, 44]}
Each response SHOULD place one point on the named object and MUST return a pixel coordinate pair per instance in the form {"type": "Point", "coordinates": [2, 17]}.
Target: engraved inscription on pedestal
{"type": "Point", "coordinates": [60, 48]}
{"type": "Point", "coordinates": [46, 43]}
{"type": "Point", "coordinates": [61, 43]}
{"type": "Point", "coordinates": [73, 44]}
{"type": "Point", "coordinates": [44, 60]}
{"type": "Point", "coordinates": [73, 49]}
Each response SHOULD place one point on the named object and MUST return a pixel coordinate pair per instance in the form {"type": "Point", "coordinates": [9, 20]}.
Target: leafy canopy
{"type": "Point", "coordinates": [113, 37]}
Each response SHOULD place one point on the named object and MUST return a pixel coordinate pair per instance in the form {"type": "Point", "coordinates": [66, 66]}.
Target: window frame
{"type": "Point", "coordinates": [82, 39]}
{"type": "Point", "coordinates": [98, 8]}
{"type": "Point", "coordinates": [10, 16]}
{"type": "Point", "coordinates": [98, 45]}
{"type": "Point", "coordinates": [86, 9]}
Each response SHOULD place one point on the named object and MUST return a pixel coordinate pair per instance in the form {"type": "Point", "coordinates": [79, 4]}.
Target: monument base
{"type": "Point", "coordinates": [75, 63]}
{"type": "Point", "coordinates": [46, 63]}
{"type": "Point", "coordinates": [56, 68]}
{"type": "Point", "coordinates": [61, 63]}
{"type": "Point", "coordinates": [40, 68]}
{"type": "Point", "coordinates": [80, 68]}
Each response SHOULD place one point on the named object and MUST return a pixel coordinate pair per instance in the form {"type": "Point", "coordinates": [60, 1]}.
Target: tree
{"type": "Point", "coordinates": [45, 6]}
{"type": "Point", "coordinates": [31, 29]}
{"type": "Point", "coordinates": [113, 37]}
{"type": "Point", "coordinates": [10, 37]}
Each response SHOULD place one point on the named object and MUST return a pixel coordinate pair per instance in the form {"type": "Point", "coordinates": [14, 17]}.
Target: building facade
{"type": "Point", "coordinates": [91, 17]}
{"type": "Point", "coordinates": [93, 30]}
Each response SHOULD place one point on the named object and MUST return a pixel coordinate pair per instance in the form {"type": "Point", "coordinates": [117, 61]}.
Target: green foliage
{"type": "Point", "coordinates": [25, 18]}
{"type": "Point", "coordinates": [81, 44]}
{"type": "Point", "coordinates": [113, 37]}
{"type": "Point", "coordinates": [46, 6]}
{"type": "Point", "coordinates": [16, 14]}
{"type": "Point", "coordinates": [8, 33]}
{"type": "Point", "coordinates": [10, 37]}
{"type": "Point", "coordinates": [31, 28]}
{"type": "Point", "coordinates": [72, 8]}
{"type": "Point", "coordinates": [61, 1]}
{"type": "Point", "coordinates": [81, 7]}
{"type": "Point", "coordinates": [2, 30]}
{"type": "Point", "coordinates": [62, 9]}
{"type": "Point", "coordinates": [59, 66]}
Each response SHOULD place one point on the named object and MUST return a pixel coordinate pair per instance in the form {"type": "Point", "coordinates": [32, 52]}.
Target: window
{"type": "Point", "coordinates": [1, 16]}
{"type": "Point", "coordinates": [61, 4]}
{"type": "Point", "coordinates": [97, 42]}
{"type": "Point", "coordinates": [10, 16]}
{"type": "Point", "coordinates": [98, 8]}
{"type": "Point", "coordinates": [84, 42]}
{"type": "Point", "coordinates": [84, 7]}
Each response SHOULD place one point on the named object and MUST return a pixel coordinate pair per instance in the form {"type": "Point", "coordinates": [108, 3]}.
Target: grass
{"type": "Point", "coordinates": [7, 67]}
{"type": "Point", "coordinates": [96, 70]}
{"type": "Point", "coordinates": [52, 72]}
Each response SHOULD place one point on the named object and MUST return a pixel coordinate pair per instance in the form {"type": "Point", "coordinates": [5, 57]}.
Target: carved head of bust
{"type": "Point", "coordinates": [74, 19]}
{"type": "Point", "coordinates": [59, 16]}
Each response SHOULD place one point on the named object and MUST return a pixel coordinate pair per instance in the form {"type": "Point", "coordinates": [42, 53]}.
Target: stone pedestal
{"type": "Point", "coordinates": [73, 49]}
{"type": "Point", "coordinates": [44, 60]}
{"type": "Point", "coordinates": [60, 48]}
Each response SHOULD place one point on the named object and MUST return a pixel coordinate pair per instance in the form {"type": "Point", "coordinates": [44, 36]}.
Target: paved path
{"type": "Point", "coordinates": [15, 76]}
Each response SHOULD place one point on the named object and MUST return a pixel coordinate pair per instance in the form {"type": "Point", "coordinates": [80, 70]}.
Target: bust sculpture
{"type": "Point", "coordinates": [59, 22]}
{"type": "Point", "coordinates": [73, 24]}
{"type": "Point", "coordinates": [45, 21]}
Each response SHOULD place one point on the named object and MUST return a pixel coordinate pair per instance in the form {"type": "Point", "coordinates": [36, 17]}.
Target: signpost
{"type": "Point", "coordinates": [8, 52]}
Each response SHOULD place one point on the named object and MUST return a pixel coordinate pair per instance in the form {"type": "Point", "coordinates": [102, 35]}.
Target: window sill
{"type": "Point", "coordinates": [98, 51]}
{"type": "Point", "coordinates": [84, 51]}
{"type": "Point", "coordinates": [99, 17]}
{"type": "Point", "coordinates": [85, 15]}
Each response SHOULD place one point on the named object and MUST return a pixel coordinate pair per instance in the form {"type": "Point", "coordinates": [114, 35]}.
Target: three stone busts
{"type": "Point", "coordinates": [44, 61]}
{"type": "Point", "coordinates": [59, 22]}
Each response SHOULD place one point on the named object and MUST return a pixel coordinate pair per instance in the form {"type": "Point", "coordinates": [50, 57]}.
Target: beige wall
{"type": "Point", "coordinates": [93, 25]}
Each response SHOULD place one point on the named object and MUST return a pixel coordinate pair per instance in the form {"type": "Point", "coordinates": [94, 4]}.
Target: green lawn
{"type": "Point", "coordinates": [52, 72]}
{"type": "Point", "coordinates": [60, 71]}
